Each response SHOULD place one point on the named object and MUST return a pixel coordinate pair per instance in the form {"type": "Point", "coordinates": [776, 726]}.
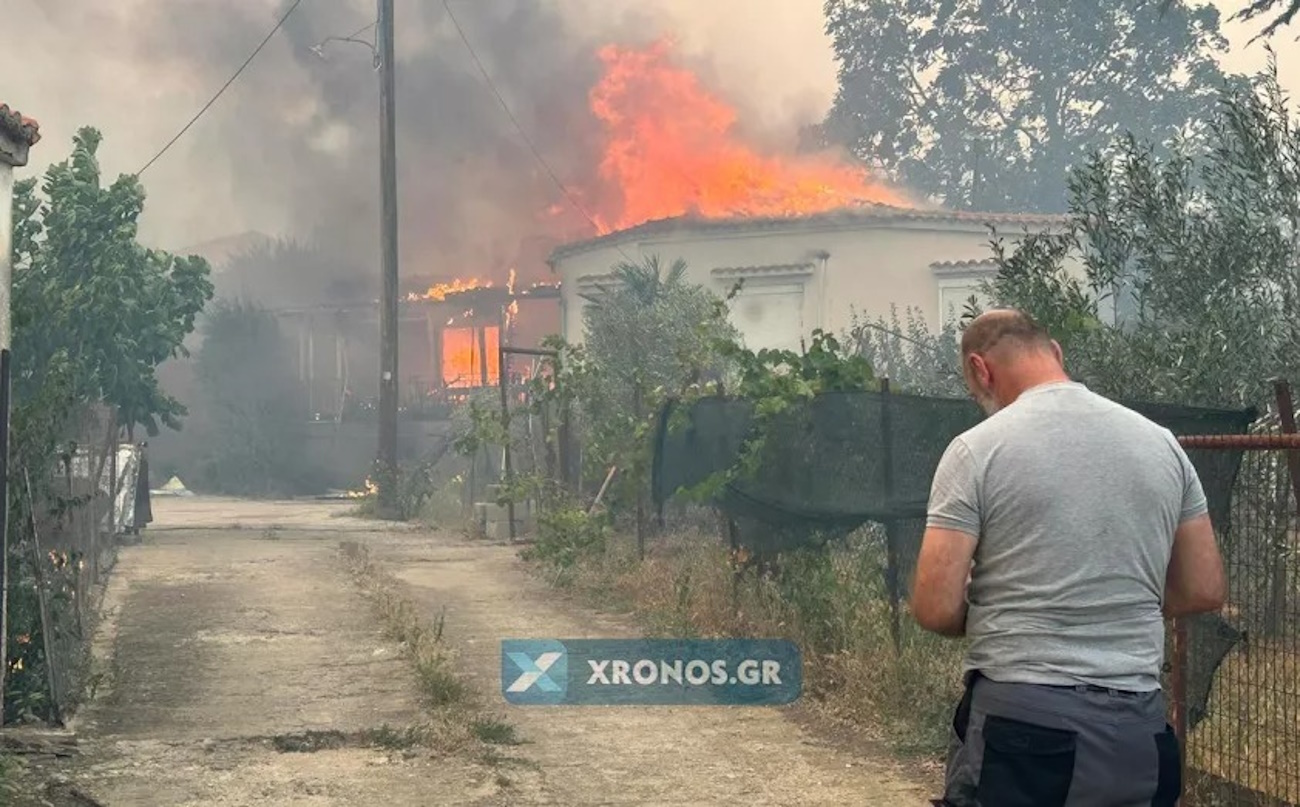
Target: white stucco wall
{"type": "Point", "coordinates": [807, 275]}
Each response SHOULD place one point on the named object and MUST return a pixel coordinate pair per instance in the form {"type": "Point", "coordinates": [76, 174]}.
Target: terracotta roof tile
{"type": "Point", "coordinates": [866, 214]}
{"type": "Point", "coordinates": [972, 263]}
{"type": "Point", "coordinates": [18, 126]}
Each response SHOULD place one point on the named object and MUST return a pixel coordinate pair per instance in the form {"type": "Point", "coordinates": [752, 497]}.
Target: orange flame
{"type": "Point", "coordinates": [672, 150]}
{"type": "Point", "coordinates": [512, 315]}
{"type": "Point", "coordinates": [465, 361]}
{"type": "Point", "coordinates": [367, 490]}
{"type": "Point", "coordinates": [440, 291]}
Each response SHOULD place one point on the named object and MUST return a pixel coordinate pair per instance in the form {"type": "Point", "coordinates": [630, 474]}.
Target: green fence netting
{"type": "Point", "coordinates": [843, 459]}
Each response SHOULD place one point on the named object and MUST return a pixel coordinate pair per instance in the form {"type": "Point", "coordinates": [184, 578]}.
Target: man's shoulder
{"type": "Point", "coordinates": [1025, 419]}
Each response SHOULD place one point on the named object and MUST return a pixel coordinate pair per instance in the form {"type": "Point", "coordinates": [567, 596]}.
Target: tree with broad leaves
{"type": "Point", "coordinates": [94, 314]}
{"type": "Point", "coordinates": [986, 105]}
{"type": "Point", "coordinates": [94, 311]}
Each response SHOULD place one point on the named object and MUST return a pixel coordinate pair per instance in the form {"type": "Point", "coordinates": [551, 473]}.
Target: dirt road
{"type": "Point", "coordinates": [234, 626]}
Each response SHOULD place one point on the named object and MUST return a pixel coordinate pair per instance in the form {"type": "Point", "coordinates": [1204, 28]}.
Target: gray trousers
{"type": "Point", "coordinates": [1025, 745]}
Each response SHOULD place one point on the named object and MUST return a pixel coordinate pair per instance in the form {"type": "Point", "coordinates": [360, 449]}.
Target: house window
{"type": "Point", "coordinates": [957, 282]}
{"type": "Point", "coordinates": [768, 311]}
{"type": "Point", "coordinates": [954, 297]}
{"type": "Point", "coordinates": [769, 316]}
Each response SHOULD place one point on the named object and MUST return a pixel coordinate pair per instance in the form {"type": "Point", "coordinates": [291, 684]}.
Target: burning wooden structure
{"type": "Point", "coordinates": [449, 339]}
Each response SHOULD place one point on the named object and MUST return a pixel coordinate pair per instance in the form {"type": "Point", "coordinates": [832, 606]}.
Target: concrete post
{"type": "Point", "coordinates": [6, 246]}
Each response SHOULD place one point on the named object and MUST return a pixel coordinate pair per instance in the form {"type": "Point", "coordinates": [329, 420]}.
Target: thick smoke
{"type": "Point", "coordinates": [291, 149]}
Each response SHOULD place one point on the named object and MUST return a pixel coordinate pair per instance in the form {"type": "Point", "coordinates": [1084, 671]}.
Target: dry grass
{"type": "Point", "coordinates": [1252, 734]}
{"type": "Point", "coordinates": [831, 604]}
{"type": "Point", "coordinates": [456, 721]}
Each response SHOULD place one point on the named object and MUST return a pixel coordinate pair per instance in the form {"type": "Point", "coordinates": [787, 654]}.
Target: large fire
{"type": "Point", "coordinates": [672, 149]}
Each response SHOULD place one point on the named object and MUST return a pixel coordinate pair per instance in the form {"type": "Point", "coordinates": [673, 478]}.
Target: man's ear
{"type": "Point", "coordinates": [1056, 351]}
{"type": "Point", "coordinates": [979, 369]}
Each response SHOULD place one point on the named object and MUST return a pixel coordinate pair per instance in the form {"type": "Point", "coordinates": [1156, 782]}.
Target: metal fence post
{"type": "Point", "coordinates": [507, 474]}
{"type": "Point", "coordinates": [892, 582]}
{"type": "Point", "coordinates": [113, 480]}
{"type": "Point", "coordinates": [1278, 572]}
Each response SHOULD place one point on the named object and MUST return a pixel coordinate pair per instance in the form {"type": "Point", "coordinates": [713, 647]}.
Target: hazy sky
{"type": "Point", "coordinates": [74, 62]}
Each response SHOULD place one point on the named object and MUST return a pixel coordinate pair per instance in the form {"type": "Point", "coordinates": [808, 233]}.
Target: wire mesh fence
{"type": "Point", "coordinates": [1235, 676]}
{"type": "Point", "coordinates": [59, 550]}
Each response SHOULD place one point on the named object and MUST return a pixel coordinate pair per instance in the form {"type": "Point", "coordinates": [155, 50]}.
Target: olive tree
{"type": "Point", "coordinates": [648, 335]}
{"type": "Point", "coordinates": [1189, 283]}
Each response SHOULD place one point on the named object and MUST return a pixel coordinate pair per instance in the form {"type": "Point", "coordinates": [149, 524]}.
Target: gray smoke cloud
{"type": "Point", "coordinates": [291, 148]}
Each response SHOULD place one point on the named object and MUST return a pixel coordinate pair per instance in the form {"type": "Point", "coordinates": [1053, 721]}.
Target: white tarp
{"type": "Point", "coordinates": [128, 476]}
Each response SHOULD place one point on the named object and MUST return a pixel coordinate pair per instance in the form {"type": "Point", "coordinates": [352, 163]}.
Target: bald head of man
{"type": "Point", "coordinates": [1005, 352]}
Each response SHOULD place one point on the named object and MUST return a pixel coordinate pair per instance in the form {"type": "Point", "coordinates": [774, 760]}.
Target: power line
{"type": "Point", "coordinates": [511, 115]}
{"type": "Point", "coordinates": [362, 29]}
{"type": "Point", "coordinates": [224, 87]}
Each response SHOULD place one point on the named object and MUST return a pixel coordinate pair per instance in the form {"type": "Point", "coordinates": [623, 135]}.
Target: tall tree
{"type": "Point", "coordinates": [95, 312]}
{"type": "Point", "coordinates": [253, 438]}
{"type": "Point", "coordinates": [1189, 285]}
{"type": "Point", "coordinates": [986, 105]}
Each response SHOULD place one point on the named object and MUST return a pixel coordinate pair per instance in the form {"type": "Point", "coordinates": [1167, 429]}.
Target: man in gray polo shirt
{"type": "Point", "coordinates": [1087, 526]}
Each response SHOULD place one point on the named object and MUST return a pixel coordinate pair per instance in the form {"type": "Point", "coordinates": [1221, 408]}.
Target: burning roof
{"type": "Point", "coordinates": [470, 288]}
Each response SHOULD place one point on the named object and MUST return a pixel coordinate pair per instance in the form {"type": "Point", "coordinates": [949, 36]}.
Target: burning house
{"type": "Point", "coordinates": [450, 337]}
{"type": "Point", "coordinates": [813, 237]}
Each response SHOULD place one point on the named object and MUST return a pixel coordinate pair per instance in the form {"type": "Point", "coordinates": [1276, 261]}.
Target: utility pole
{"type": "Point", "coordinates": [387, 459]}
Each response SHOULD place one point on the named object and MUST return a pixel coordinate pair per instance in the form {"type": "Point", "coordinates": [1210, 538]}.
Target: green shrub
{"type": "Point", "coordinates": [444, 506]}
{"type": "Point", "coordinates": [566, 536]}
